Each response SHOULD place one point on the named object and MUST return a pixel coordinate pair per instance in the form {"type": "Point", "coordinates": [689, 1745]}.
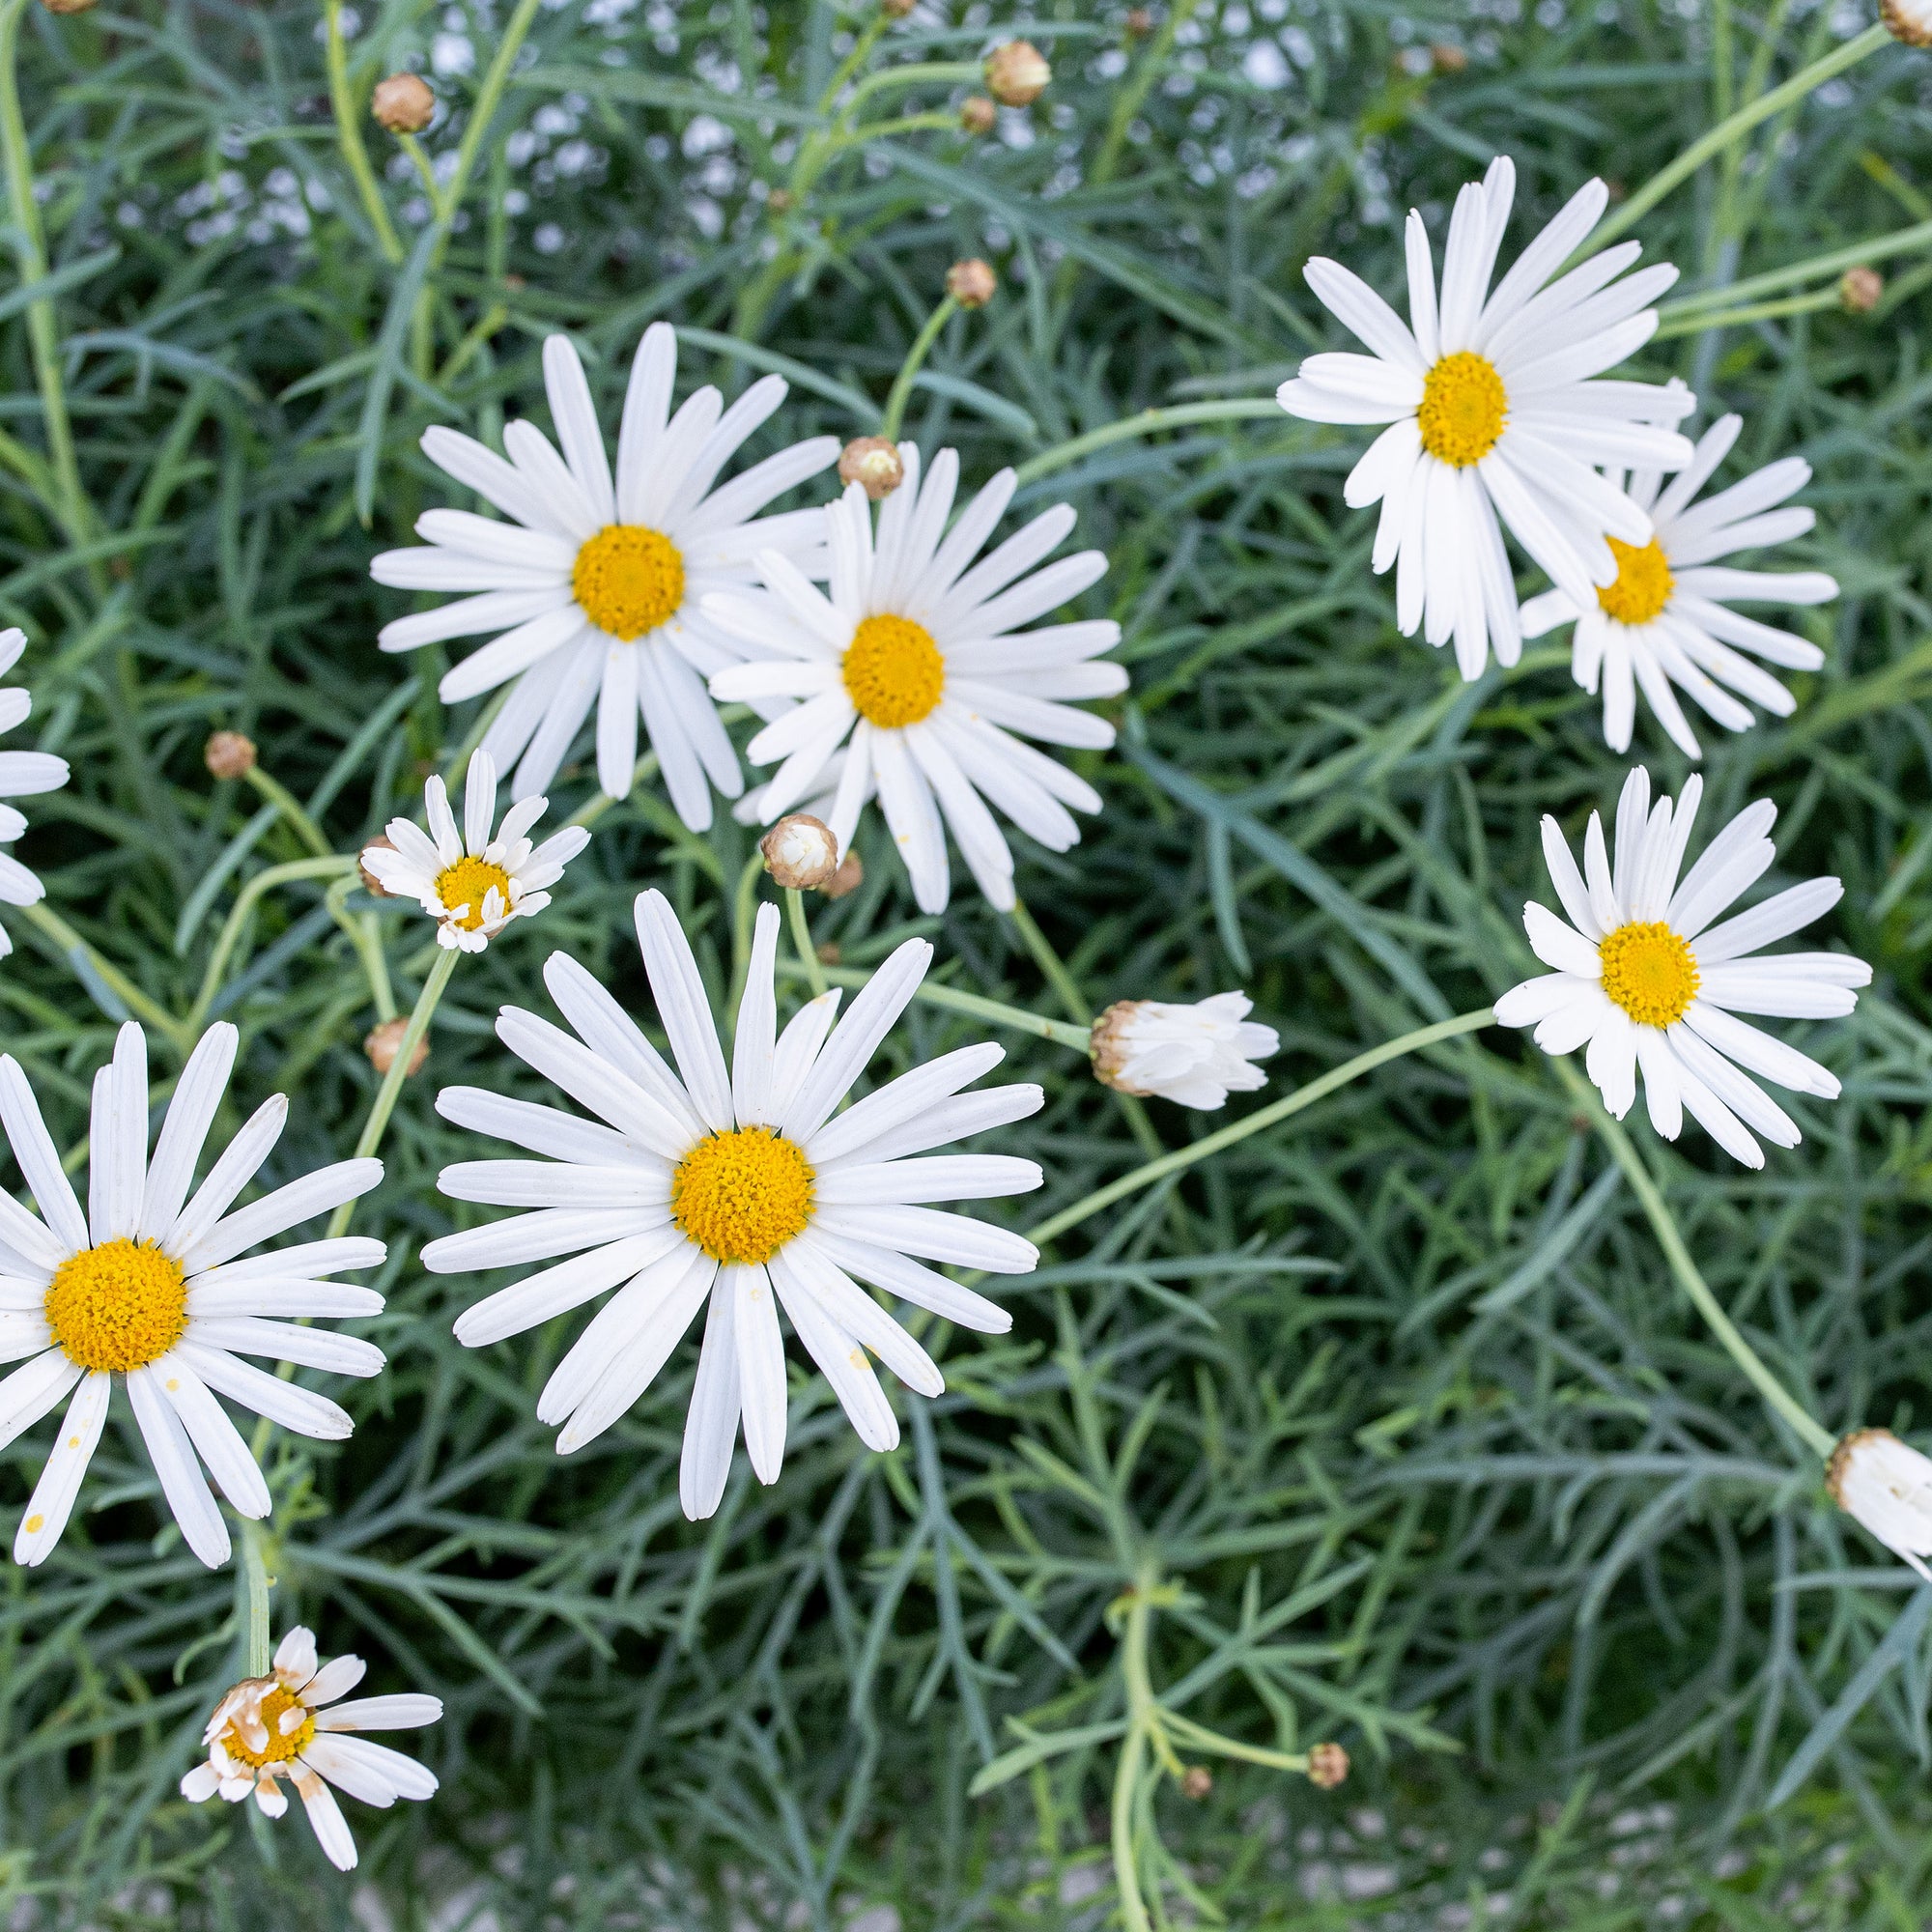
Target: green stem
{"type": "Point", "coordinates": [480, 116]}
{"type": "Point", "coordinates": [935, 994]}
{"type": "Point", "coordinates": [180, 1033]}
{"type": "Point", "coordinates": [362, 932]}
{"type": "Point", "coordinates": [901, 392]}
{"type": "Point", "coordinates": [286, 803]}
{"type": "Point", "coordinates": [1858, 255]}
{"type": "Point", "coordinates": [1706, 320]}
{"type": "Point", "coordinates": [801, 939]}
{"type": "Point", "coordinates": [1052, 967]}
{"type": "Point", "coordinates": [594, 808]}
{"type": "Point", "coordinates": [1130, 99]}
{"type": "Point", "coordinates": [1148, 422]}
{"type": "Point", "coordinates": [1133, 1752]}
{"type": "Point", "coordinates": [905, 123]}
{"type": "Point", "coordinates": [255, 1570]}
{"type": "Point", "coordinates": [916, 73]}
{"type": "Point", "coordinates": [349, 136]}
{"type": "Point", "coordinates": [264, 881]}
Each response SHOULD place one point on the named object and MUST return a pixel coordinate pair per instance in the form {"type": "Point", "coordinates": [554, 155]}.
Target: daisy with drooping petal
{"type": "Point", "coordinates": [1648, 982]}
{"type": "Point", "coordinates": [1194, 1054]}
{"type": "Point", "coordinates": [596, 586]}
{"type": "Point", "coordinates": [289, 1724]}
{"type": "Point", "coordinates": [22, 774]}
{"type": "Point", "coordinates": [1494, 414]}
{"type": "Point", "coordinates": [146, 1287]}
{"type": "Point", "coordinates": [740, 1187]}
{"type": "Point", "coordinates": [923, 669]}
{"type": "Point", "coordinates": [1666, 620]}
{"type": "Point", "coordinates": [470, 882]}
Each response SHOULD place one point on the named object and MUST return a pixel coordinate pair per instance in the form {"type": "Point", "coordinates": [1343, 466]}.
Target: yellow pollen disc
{"type": "Point", "coordinates": [117, 1306]}
{"type": "Point", "coordinates": [1464, 409]}
{"type": "Point", "coordinates": [741, 1196]}
{"type": "Point", "coordinates": [1649, 972]}
{"type": "Point", "coordinates": [629, 578]}
{"type": "Point", "coordinates": [1643, 583]}
{"type": "Point", "coordinates": [282, 1747]}
{"type": "Point", "coordinates": [894, 671]}
{"type": "Point", "coordinates": [466, 883]}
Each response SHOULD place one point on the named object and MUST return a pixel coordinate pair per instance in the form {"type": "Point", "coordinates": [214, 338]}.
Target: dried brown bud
{"type": "Point", "coordinates": [1907, 20]}
{"type": "Point", "coordinates": [1860, 289]}
{"type": "Point", "coordinates": [1139, 22]}
{"type": "Point", "coordinates": [1196, 1781]}
{"type": "Point", "coordinates": [404, 103]}
{"type": "Point", "coordinates": [800, 851]}
{"type": "Point", "coordinates": [371, 884]}
{"type": "Point", "coordinates": [848, 878]}
{"type": "Point", "coordinates": [828, 952]}
{"type": "Point", "coordinates": [971, 283]}
{"type": "Point", "coordinates": [228, 755]}
{"type": "Point", "coordinates": [896, 10]}
{"type": "Point", "coordinates": [386, 1042]}
{"type": "Point", "coordinates": [874, 464]}
{"type": "Point", "coordinates": [1445, 57]}
{"type": "Point", "coordinates": [1017, 73]}
{"type": "Point", "coordinates": [779, 200]}
{"type": "Point", "coordinates": [1327, 1766]}
{"type": "Point", "coordinates": [978, 115]}
{"type": "Point", "coordinates": [67, 6]}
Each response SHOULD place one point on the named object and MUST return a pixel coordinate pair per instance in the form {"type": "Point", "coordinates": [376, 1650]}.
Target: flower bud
{"type": "Point", "coordinates": [779, 200]}
{"type": "Point", "coordinates": [228, 755]}
{"type": "Point", "coordinates": [978, 115]}
{"type": "Point", "coordinates": [896, 10]}
{"type": "Point", "coordinates": [971, 283]}
{"type": "Point", "coordinates": [1327, 1766]}
{"type": "Point", "coordinates": [1886, 1485]}
{"type": "Point", "coordinates": [1196, 1781]}
{"type": "Point", "coordinates": [67, 6]}
{"type": "Point", "coordinates": [848, 878]}
{"type": "Point", "coordinates": [1017, 73]}
{"type": "Point", "coordinates": [1907, 20]}
{"type": "Point", "coordinates": [1193, 1055]}
{"type": "Point", "coordinates": [874, 464]}
{"type": "Point", "coordinates": [1860, 289]}
{"type": "Point", "coordinates": [371, 884]}
{"type": "Point", "coordinates": [403, 103]}
{"type": "Point", "coordinates": [385, 1042]}
{"type": "Point", "coordinates": [1445, 57]}
{"type": "Point", "coordinates": [1138, 23]}
{"type": "Point", "coordinates": [800, 851]}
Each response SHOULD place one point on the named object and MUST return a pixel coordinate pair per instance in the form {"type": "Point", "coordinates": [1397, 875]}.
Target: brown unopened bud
{"type": "Point", "coordinates": [978, 115]}
{"type": "Point", "coordinates": [971, 283]}
{"type": "Point", "coordinates": [896, 10]}
{"type": "Point", "coordinates": [1907, 20]}
{"type": "Point", "coordinates": [403, 103]}
{"type": "Point", "coordinates": [371, 884]}
{"type": "Point", "coordinates": [1859, 290]}
{"type": "Point", "coordinates": [1139, 22]}
{"type": "Point", "coordinates": [67, 6]}
{"type": "Point", "coordinates": [874, 464]}
{"type": "Point", "coordinates": [1017, 73]}
{"type": "Point", "coordinates": [800, 851]}
{"type": "Point", "coordinates": [828, 952]}
{"type": "Point", "coordinates": [1196, 1781]}
{"type": "Point", "coordinates": [779, 200]}
{"type": "Point", "coordinates": [848, 878]}
{"type": "Point", "coordinates": [1327, 1766]}
{"type": "Point", "coordinates": [385, 1042]}
{"type": "Point", "coordinates": [1445, 57]}
{"type": "Point", "coordinates": [228, 755]}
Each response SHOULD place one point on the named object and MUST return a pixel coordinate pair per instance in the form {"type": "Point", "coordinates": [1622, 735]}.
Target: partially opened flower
{"type": "Point", "coordinates": [925, 670]}
{"type": "Point", "coordinates": [1666, 620]}
{"type": "Point", "coordinates": [744, 1187]}
{"type": "Point", "coordinates": [22, 774]}
{"type": "Point", "coordinates": [1494, 414]}
{"type": "Point", "coordinates": [473, 882]}
{"type": "Point", "coordinates": [1650, 984]}
{"type": "Point", "coordinates": [596, 586]}
{"type": "Point", "coordinates": [1887, 1486]}
{"type": "Point", "coordinates": [149, 1287]}
{"type": "Point", "coordinates": [1193, 1054]}
{"type": "Point", "coordinates": [289, 1724]}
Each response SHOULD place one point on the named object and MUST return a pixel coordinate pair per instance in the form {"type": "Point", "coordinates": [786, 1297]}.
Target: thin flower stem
{"type": "Point", "coordinates": [333, 865]}
{"type": "Point", "coordinates": [935, 994]}
{"type": "Point", "coordinates": [801, 939]}
{"type": "Point", "coordinates": [1859, 254]}
{"type": "Point", "coordinates": [349, 136]}
{"type": "Point", "coordinates": [481, 114]}
{"type": "Point", "coordinates": [258, 1583]}
{"type": "Point", "coordinates": [286, 803]}
{"type": "Point", "coordinates": [1705, 320]}
{"type": "Point", "coordinates": [916, 73]}
{"type": "Point", "coordinates": [179, 1031]}
{"type": "Point", "coordinates": [594, 808]}
{"type": "Point", "coordinates": [905, 123]}
{"type": "Point", "coordinates": [1142, 1722]}
{"type": "Point", "coordinates": [1148, 422]}
{"type": "Point", "coordinates": [901, 391]}
{"type": "Point", "coordinates": [1132, 98]}
{"type": "Point", "coordinates": [1781, 1398]}
{"type": "Point", "coordinates": [364, 933]}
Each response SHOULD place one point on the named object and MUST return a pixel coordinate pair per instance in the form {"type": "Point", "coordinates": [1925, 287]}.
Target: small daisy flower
{"type": "Point", "coordinates": [289, 1724]}
{"type": "Point", "coordinates": [472, 883]}
{"type": "Point", "coordinates": [1194, 1054]}
{"type": "Point", "coordinates": [1494, 414]}
{"type": "Point", "coordinates": [1666, 620]}
{"type": "Point", "coordinates": [146, 1288]}
{"type": "Point", "coordinates": [1887, 1486]}
{"type": "Point", "coordinates": [1648, 982]}
{"type": "Point", "coordinates": [744, 1188]}
{"type": "Point", "coordinates": [597, 595]}
{"type": "Point", "coordinates": [22, 774]}
{"type": "Point", "coordinates": [919, 668]}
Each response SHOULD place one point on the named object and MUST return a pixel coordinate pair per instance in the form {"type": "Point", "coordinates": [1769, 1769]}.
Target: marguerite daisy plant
{"type": "Point", "coordinates": [150, 1288]}
{"type": "Point", "coordinates": [743, 1187]}
{"type": "Point", "coordinates": [1666, 620]}
{"type": "Point", "coordinates": [595, 586]}
{"type": "Point", "coordinates": [21, 774]}
{"type": "Point", "coordinates": [923, 669]}
{"type": "Point", "coordinates": [1494, 417]}
{"type": "Point", "coordinates": [1645, 979]}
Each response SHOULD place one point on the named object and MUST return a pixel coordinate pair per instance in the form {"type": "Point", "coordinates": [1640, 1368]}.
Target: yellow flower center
{"type": "Point", "coordinates": [894, 671]}
{"type": "Point", "coordinates": [1649, 972]}
{"type": "Point", "coordinates": [741, 1196]}
{"type": "Point", "coordinates": [467, 883]}
{"type": "Point", "coordinates": [1464, 409]}
{"type": "Point", "coordinates": [282, 1744]}
{"type": "Point", "coordinates": [629, 578]}
{"type": "Point", "coordinates": [117, 1306]}
{"type": "Point", "coordinates": [1643, 583]}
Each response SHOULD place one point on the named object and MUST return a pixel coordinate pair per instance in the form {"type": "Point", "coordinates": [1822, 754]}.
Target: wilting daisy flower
{"type": "Point", "coordinates": [1886, 1485]}
{"type": "Point", "coordinates": [21, 774]}
{"type": "Point", "coordinates": [149, 1290]}
{"type": "Point", "coordinates": [472, 883]}
{"type": "Point", "coordinates": [1649, 984]}
{"type": "Point", "coordinates": [1492, 413]}
{"type": "Point", "coordinates": [268, 1728]}
{"type": "Point", "coordinates": [1193, 1055]}
{"type": "Point", "coordinates": [745, 1188]}
{"type": "Point", "coordinates": [597, 594]}
{"type": "Point", "coordinates": [1666, 619]}
{"type": "Point", "coordinates": [921, 668]}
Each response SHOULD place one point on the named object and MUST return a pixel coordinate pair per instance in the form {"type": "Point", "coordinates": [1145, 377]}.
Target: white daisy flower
{"type": "Point", "coordinates": [1194, 1054]}
{"type": "Point", "coordinates": [1667, 617]}
{"type": "Point", "coordinates": [1887, 1486]}
{"type": "Point", "coordinates": [1492, 413]}
{"type": "Point", "coordinates": [1646, 981]}
{"type": "Point", "coordinates": [267, 1728]}
{"type": "Point", "coordinates": [22, 774]}
{"type": "Point", "coordinates": [146, 1289]}
{"type": "Point", "coordinates": [597, 594]}
{"type": "Point", "coordinates": [744, 1187]}
{"type": "Point", "coordinates": [472, 883]}
{"type": "Point", "coordinates": [922, 669]}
